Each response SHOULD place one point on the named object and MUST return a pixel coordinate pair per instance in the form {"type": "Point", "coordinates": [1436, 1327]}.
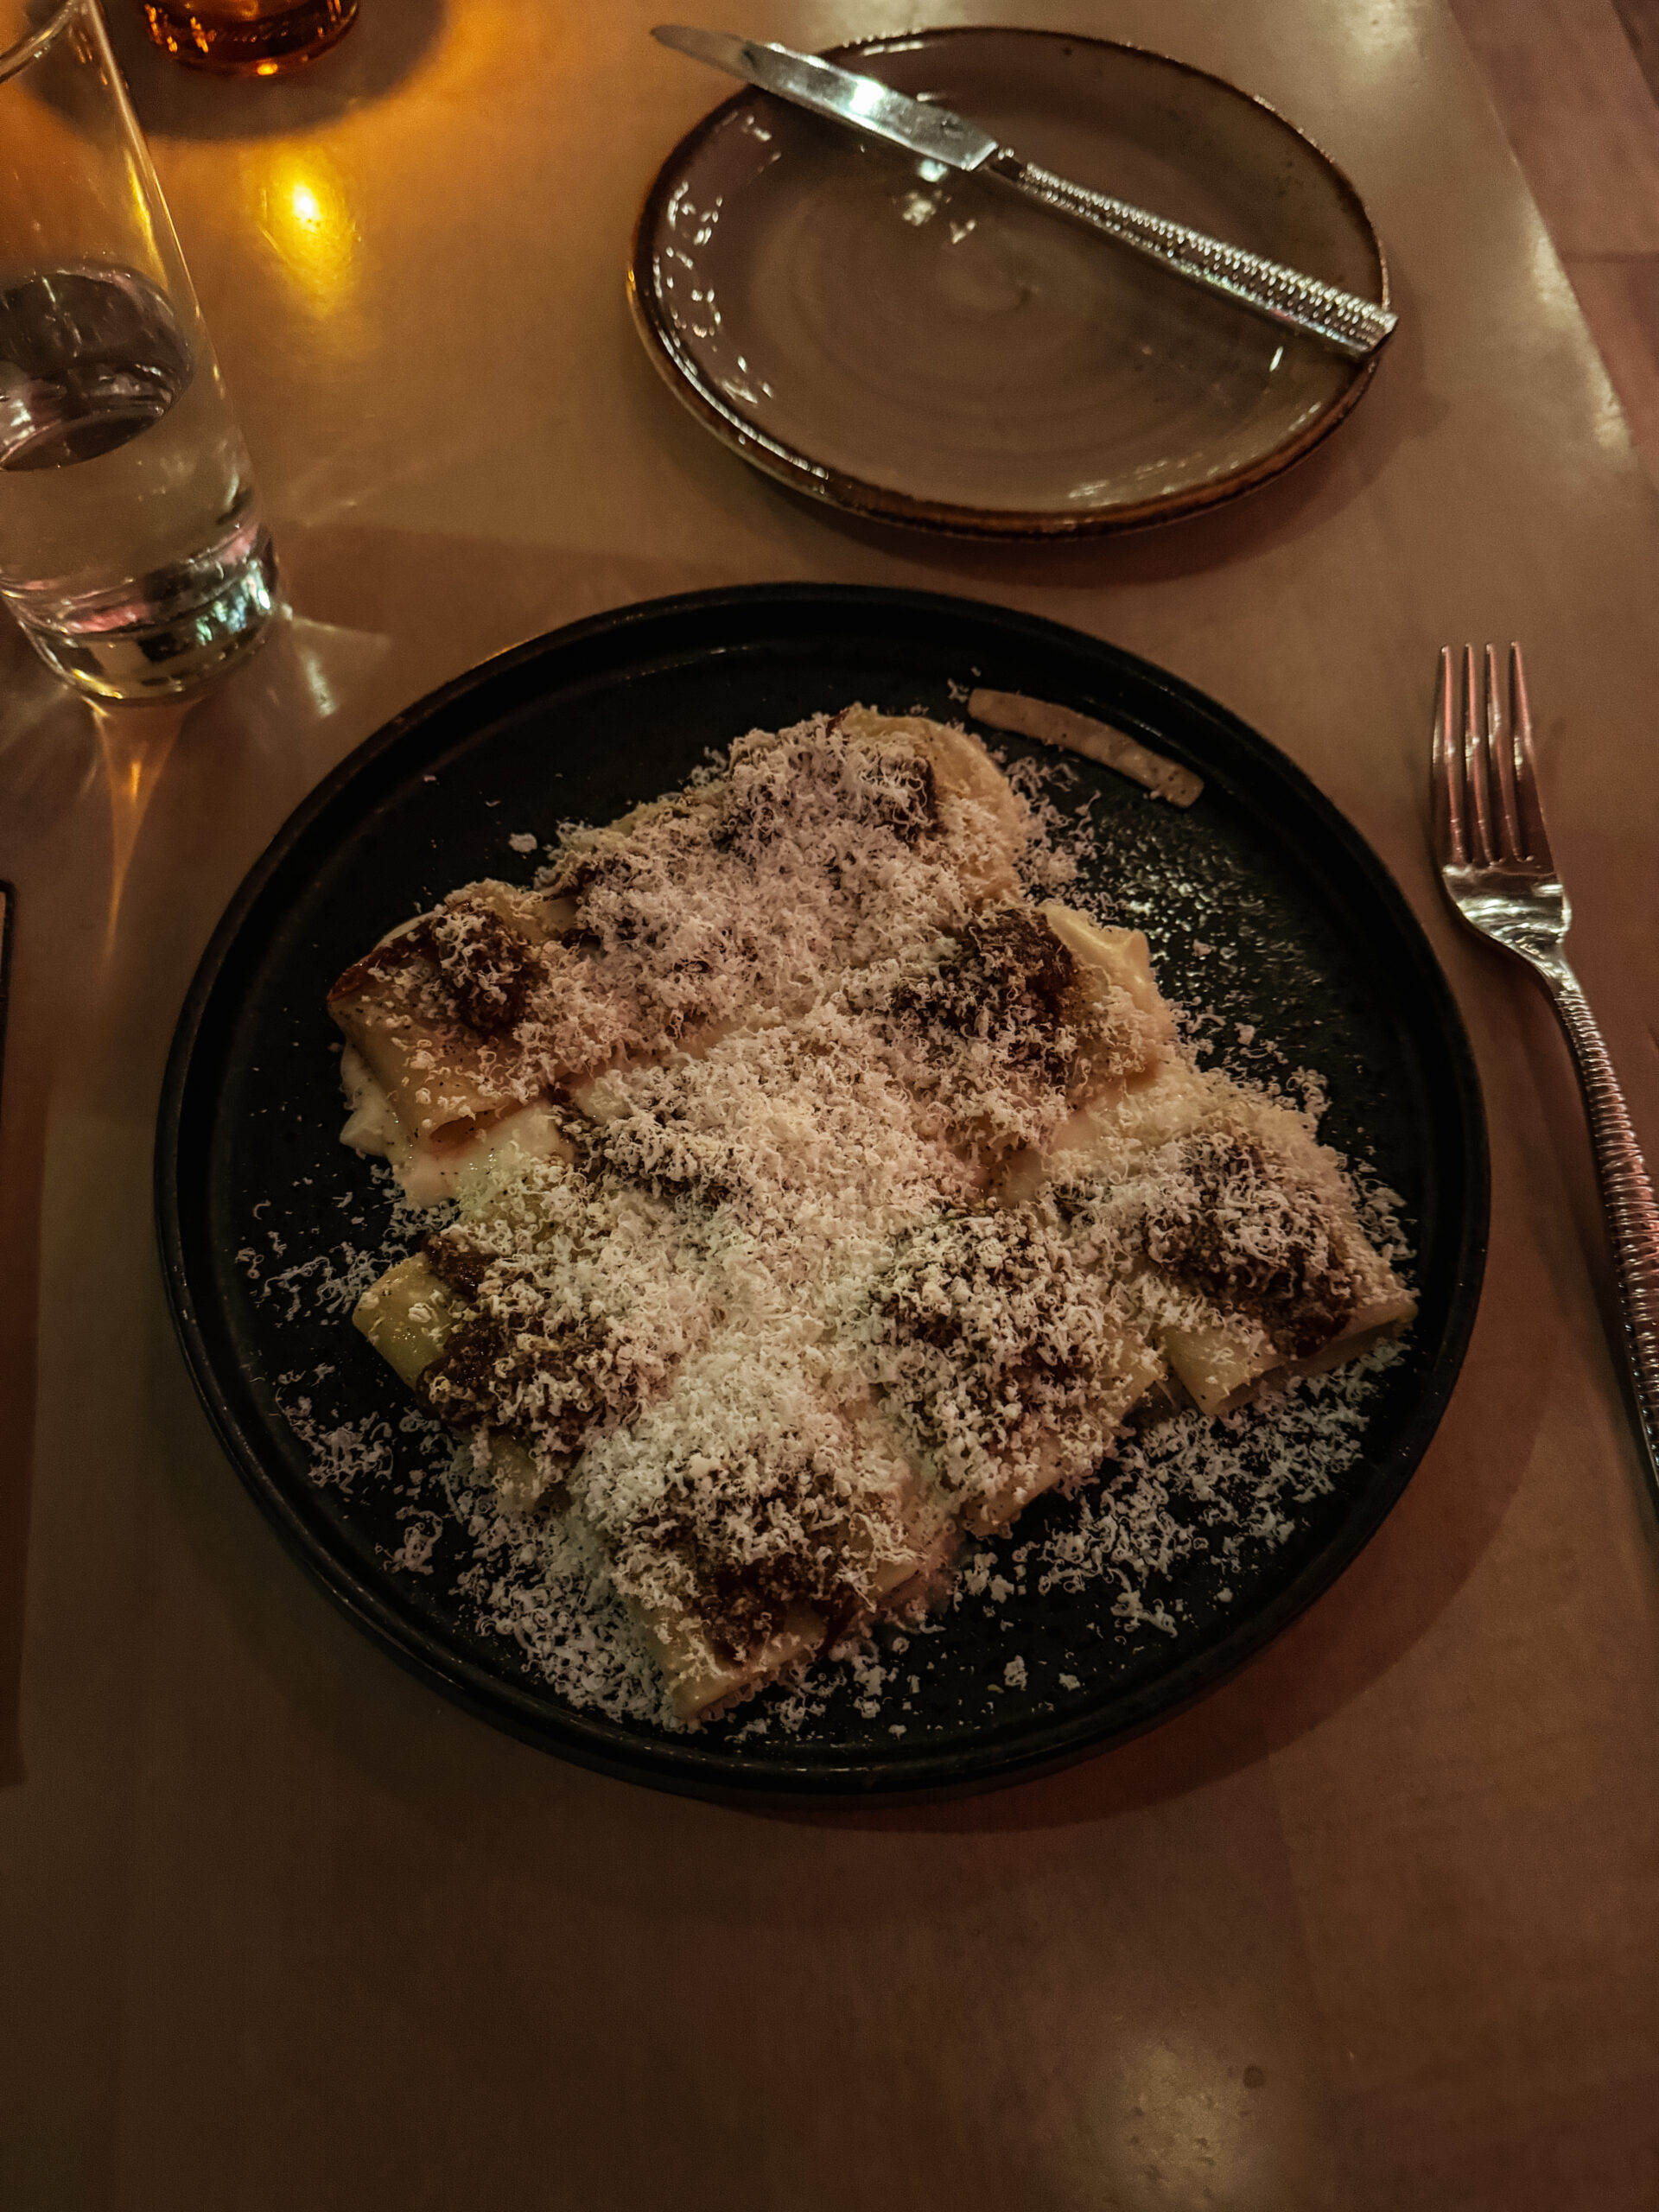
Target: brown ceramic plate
{"type": "Point", "coordinates": [928, 350]}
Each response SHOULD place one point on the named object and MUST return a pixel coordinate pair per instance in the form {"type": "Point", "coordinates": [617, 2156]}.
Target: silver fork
{"type": "Point", "coordinates": [1499, 874]}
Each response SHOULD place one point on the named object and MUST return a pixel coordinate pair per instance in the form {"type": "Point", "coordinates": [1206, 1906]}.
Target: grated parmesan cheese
{"type": "Point", "coordinates": [876, 1213]}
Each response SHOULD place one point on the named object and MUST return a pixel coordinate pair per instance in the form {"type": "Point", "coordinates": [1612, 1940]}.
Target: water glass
{"type": "Point", "coordinates": [132, 548]}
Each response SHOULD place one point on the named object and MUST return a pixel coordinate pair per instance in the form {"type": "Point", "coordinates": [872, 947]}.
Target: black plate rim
{"type": "Point", "coordinates": [819, 1779]}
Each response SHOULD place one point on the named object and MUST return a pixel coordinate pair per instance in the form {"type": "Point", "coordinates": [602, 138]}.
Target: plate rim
{"type": "Point", "coordinates": [787, 465]}
{"type": "Point", "coordinates": [680, 1765]}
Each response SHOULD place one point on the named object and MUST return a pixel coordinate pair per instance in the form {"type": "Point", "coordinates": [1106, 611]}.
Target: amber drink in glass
{"type": "Point", "coordinates": [247, 38]}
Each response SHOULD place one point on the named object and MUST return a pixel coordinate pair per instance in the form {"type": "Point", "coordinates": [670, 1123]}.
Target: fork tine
{"type": "Point", "coordinates": [1500, 732]}
{"type": "Point", "coordinates": [1446, 771]}
{"type": "Point", "coordinates": [1535, 844]}
{"type": "Point", "coordinates": [1479, 814]}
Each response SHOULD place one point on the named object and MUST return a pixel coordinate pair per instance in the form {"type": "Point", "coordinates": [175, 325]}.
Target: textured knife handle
{"type": "Point", "coordinates": [1627, 1198]}
{"type": "Point", "coordinates": [1339, 319]}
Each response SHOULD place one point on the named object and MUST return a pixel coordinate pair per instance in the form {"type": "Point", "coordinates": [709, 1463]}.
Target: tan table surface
{"type": "Point", "coordinates": [1373, 1927]}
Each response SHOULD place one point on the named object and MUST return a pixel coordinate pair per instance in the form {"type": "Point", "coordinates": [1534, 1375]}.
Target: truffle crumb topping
{"type": "Point", "coordinates": [1253, 1239]}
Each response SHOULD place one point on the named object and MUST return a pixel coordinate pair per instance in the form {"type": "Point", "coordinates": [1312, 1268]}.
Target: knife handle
{"type": "Point", "coordinates": [1339, 319]}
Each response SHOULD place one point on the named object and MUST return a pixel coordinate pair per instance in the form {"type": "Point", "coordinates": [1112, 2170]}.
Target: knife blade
{"type": "Point", "coordinates": [1341, 319]}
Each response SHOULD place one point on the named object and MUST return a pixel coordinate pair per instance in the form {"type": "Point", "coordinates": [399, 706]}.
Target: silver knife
{"type": "Point", "coordinates": [1341, 319]}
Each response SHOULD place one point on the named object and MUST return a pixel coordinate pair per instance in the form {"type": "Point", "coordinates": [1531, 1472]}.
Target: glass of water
{"type": "Point", "coordinates": [131, 549]}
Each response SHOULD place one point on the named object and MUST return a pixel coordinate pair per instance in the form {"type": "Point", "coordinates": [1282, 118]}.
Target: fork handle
{"type": "Point", "coordinates": [1627, 1199]}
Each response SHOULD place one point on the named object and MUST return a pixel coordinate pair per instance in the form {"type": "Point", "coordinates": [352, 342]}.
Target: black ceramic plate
{"type": "Point", "coordinates": [1265, 907]}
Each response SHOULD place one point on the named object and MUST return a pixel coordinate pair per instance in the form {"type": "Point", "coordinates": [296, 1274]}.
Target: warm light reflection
{"type": "Point", "coordinates": [1389, 36]}
{"type": "Point", "coordinates": [139, 188]}
{"type": "Point", "coordinates": [305, 214]}
{"type": "Point", "coordinates": [488, 37]}
{"type": "Point", "coordinates": [1180, 2113]}
{"type": "Point", "coordinates": [134, 744]}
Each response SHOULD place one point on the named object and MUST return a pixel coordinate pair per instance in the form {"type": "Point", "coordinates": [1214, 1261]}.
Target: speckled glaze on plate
{"type": "Point", "coordinates": [930, 351]}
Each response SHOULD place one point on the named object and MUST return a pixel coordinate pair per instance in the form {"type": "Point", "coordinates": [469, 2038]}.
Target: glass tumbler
{"type": "Point", "coordinates": [131, 549]}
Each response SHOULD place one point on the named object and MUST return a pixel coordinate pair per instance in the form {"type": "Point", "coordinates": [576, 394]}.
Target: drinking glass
{"type": "Point", "coordinates": [247, 38]}
{"type": "Point", "coordinates": [131, 549]}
